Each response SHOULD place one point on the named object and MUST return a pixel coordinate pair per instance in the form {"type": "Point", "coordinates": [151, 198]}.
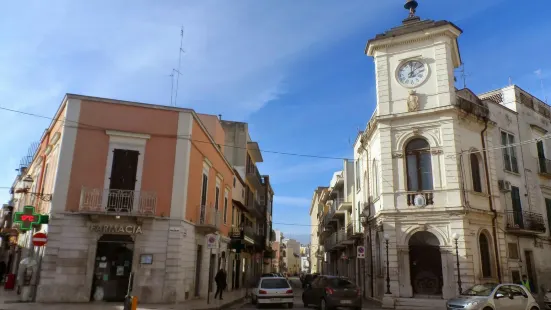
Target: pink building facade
{"type": "Point", "coordinates": [136, 189]}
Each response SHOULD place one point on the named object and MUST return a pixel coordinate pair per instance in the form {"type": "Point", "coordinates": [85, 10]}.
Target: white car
{"type": "Point", "coordinates": [273, 290]}
{"type": "Point", "coordinates": [494, 296]}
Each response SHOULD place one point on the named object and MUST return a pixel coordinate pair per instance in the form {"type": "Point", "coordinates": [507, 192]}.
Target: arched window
{"type": "Point", "coordinates": [485, 258]}
{"type": "Point", "coordinates": [475, 173]}
{"type": "Point", "coordinates": [375, 179]}
{"type": "Point", "coordinates": [419, 166]}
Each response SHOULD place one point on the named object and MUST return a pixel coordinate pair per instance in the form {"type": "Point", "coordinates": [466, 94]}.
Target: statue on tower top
{"type": "Point", "coordinates": [411, 5]}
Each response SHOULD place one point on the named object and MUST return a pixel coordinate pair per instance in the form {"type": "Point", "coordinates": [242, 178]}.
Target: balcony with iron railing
{"type": "Point", "coordinates": [117, 201]}
{"type": "Point", "coordinates": [350, 229]}
{"type": "Point", "coordinates": [330, 215]}
{"type": "Point", "coordinates": [330, 243]}
{"type": "Point", "coordinates": [260, 207]}
{"type": "Point", "coordinates": [342, 236]}
{"type": "Point", "coordinates": [253, 176]}
{"type": "Point", "coordinates": [523, 222]}
{"type": "Point", "coordinates": [342, 204]}
{"type": "Point", "coordinates": [209, 220]}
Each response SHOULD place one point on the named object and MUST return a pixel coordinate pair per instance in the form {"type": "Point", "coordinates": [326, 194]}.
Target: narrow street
{"type": "Point", "coordinates": [297, 287]}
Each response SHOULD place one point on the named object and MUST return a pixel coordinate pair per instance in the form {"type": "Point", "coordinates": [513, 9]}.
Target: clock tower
{"type": "Point", "coordinates": [414, 65]}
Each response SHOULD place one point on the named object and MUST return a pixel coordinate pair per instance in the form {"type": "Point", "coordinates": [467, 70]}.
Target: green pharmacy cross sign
{"type": "Point", "coordinates": [27, 219]}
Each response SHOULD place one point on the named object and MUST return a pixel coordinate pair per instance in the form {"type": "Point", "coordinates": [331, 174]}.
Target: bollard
{"type": "Point", "coordinates": [131, 303]}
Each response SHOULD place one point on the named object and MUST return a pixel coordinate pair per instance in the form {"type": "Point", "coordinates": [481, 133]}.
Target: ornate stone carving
{"type": "Point", "coordinates": [413, 101]}
{"type": "Point", "coordinates": [397, 155]}
{"type": "Point", "coordinates": [423, 227]}
{"type": "Point", "coordinates": [436, 151]}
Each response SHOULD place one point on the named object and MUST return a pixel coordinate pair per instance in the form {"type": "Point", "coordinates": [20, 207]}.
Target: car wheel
{"type": "Point", "coordinates": [535, 308]}
{"type": "Point", "coordinates": [323, 306]}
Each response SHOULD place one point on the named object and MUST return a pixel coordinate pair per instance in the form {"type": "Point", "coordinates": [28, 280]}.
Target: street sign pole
{"type": "Point", "coordinates": [210, 276]}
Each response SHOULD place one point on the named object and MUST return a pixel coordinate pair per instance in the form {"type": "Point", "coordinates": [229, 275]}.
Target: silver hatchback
{"type": "Point", "coordinates": [494, 296]}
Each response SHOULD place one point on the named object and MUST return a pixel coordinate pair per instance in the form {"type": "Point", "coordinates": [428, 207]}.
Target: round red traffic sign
{"type": "Point", "coordinates": [40, 239]}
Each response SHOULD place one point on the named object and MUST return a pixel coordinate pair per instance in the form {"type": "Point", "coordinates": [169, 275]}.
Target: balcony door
{"type": "Point", "coordinates": [541, 157]}
{"type": "Point", "coordinates": [122, 181]}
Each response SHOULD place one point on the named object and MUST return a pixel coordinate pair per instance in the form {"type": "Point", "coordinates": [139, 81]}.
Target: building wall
{"type": "Point", "coordinates": [236, 135]}
{"type": "Point", "coordinates": [92, 147]}
{"type": "Point", "coordinates": [202, 154]}
{"type": "Point", "coordinates": [523, 122]}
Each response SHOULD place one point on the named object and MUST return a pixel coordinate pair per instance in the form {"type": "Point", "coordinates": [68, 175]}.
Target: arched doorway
{"type": "Point", "coordinates": [425, 264]}
{"type": "Point", "coordinates": [112, 267]}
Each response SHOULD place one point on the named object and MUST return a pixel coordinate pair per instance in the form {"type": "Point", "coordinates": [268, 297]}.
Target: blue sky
{"type": "Point", "coordinates": [295, 70]}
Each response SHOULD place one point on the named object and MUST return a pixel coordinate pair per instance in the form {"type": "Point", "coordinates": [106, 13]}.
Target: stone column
{"type": "Point", "coordinates": [404, 278]}
{"type": "Point", "coordinates": [448, 277]}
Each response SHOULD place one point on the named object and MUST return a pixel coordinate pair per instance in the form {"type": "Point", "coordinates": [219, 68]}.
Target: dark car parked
{"type": "Point", "coordinates": [329, 292]}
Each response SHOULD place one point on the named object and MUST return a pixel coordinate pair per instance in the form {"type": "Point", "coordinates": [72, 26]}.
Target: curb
{"type": "Point", "coordinates": [224, 306]}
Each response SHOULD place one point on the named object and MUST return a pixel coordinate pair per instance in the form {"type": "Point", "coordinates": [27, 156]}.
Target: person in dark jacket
{"type": "Point", "coordinates": [220, 280]}
{"type": "Point", "coordinates": [2, 270]}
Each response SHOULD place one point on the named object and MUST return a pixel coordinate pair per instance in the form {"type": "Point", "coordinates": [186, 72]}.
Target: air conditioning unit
{"type": "Point", "coordinates": [504, 186]}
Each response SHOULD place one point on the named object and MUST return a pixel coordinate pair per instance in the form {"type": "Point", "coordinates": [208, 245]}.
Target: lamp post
{"type": "Point", "coordinates": [386, 236]}
{"type": "Point", "coordinates": [27, 183]}
{"type": "Point", "coordinates": [456, 238]}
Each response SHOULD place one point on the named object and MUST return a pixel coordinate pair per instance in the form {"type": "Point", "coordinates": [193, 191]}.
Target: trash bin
{"type": "Point", "coordinates": [10, 282]}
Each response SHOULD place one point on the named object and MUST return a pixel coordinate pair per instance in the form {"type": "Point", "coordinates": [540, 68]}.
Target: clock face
{"type": "Point", "coordinates": [412, 73]}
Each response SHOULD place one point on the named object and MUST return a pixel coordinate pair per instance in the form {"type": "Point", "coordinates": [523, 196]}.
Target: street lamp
{"type": "Point", "coordinates": [386, 236]}
{"type": "Point", "coordinates": [27, 183]}
{"type": "Point", "coordinates": [456, 238]}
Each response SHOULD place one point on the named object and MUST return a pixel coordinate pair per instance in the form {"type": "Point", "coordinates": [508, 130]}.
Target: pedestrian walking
{"type": "Point", "coordinates": [526, 283]}
{"type": "Point", "coordinates": [221, 284]}
{"type": "Point", "coordinates": [3, 268]}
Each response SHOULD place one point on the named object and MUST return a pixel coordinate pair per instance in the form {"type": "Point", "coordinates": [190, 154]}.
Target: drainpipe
{"type": "Point", "coordinates": [367, 189]}
{"type": "Point", "coordinates": [490, 199]}
{"type": "Point", "coordinates": [42, 168]}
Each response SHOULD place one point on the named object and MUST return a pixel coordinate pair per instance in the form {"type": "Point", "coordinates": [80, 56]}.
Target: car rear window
{"type": "Point", "coordinates": [274, 283]}
{"type": "Point", "coordinates": [341, 283]}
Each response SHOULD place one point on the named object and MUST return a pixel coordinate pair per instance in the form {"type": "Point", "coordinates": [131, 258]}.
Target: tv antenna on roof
{"type": "Point", "coordinates": [540, 76]}
{"type": "Point", "coordinates": [463, 75]}
{"type": "Point", "coordinates": [177, 71]}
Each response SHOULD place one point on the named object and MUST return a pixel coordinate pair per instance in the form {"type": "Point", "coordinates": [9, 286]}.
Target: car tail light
{"type": "Point", "coordinates": [289, 292]}
{"type": "Point", "coordinates": [328, 291]}
{"type": "Point", "coordinates": [262, 292]}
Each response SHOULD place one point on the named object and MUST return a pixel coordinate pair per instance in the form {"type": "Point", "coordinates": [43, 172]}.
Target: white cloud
{"type": "Point", "coordinates": [291, 201]}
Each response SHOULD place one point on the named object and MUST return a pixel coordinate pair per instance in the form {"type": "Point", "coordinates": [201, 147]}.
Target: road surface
{"type": "Point", "coordinates": [297, 287]}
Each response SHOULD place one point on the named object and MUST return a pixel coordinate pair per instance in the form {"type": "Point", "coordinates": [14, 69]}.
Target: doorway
{"type": "Point", "coordinates": [425, 264]}
{"type": "Point", "coordinates": [123, 180]}
{"type": "Point", "coordinates": [530, 271]}
{"type": "Point", "coordinates": [112, 268]}
{"type": "Point", "coordinates": [198, 260]}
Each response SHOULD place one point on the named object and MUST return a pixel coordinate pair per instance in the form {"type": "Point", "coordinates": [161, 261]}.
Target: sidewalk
{"type": "Point", "coordinates": [8, 301]}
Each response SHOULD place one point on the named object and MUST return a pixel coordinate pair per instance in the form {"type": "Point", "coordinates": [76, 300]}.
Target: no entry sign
{"type": "Point", "coordinates": [40, 239]}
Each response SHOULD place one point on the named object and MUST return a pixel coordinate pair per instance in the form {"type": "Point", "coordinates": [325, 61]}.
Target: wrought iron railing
{"type": "Point", "coordinates": [528, 221]}
{"type": "Point", "coordinates": [252, 171]}
{"type": "Point", "coordinates": [350, 229]}
{"type": "Point", "coordinates": [209, 216]}
{"type": "Point", "coordinates": [117, 201]}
